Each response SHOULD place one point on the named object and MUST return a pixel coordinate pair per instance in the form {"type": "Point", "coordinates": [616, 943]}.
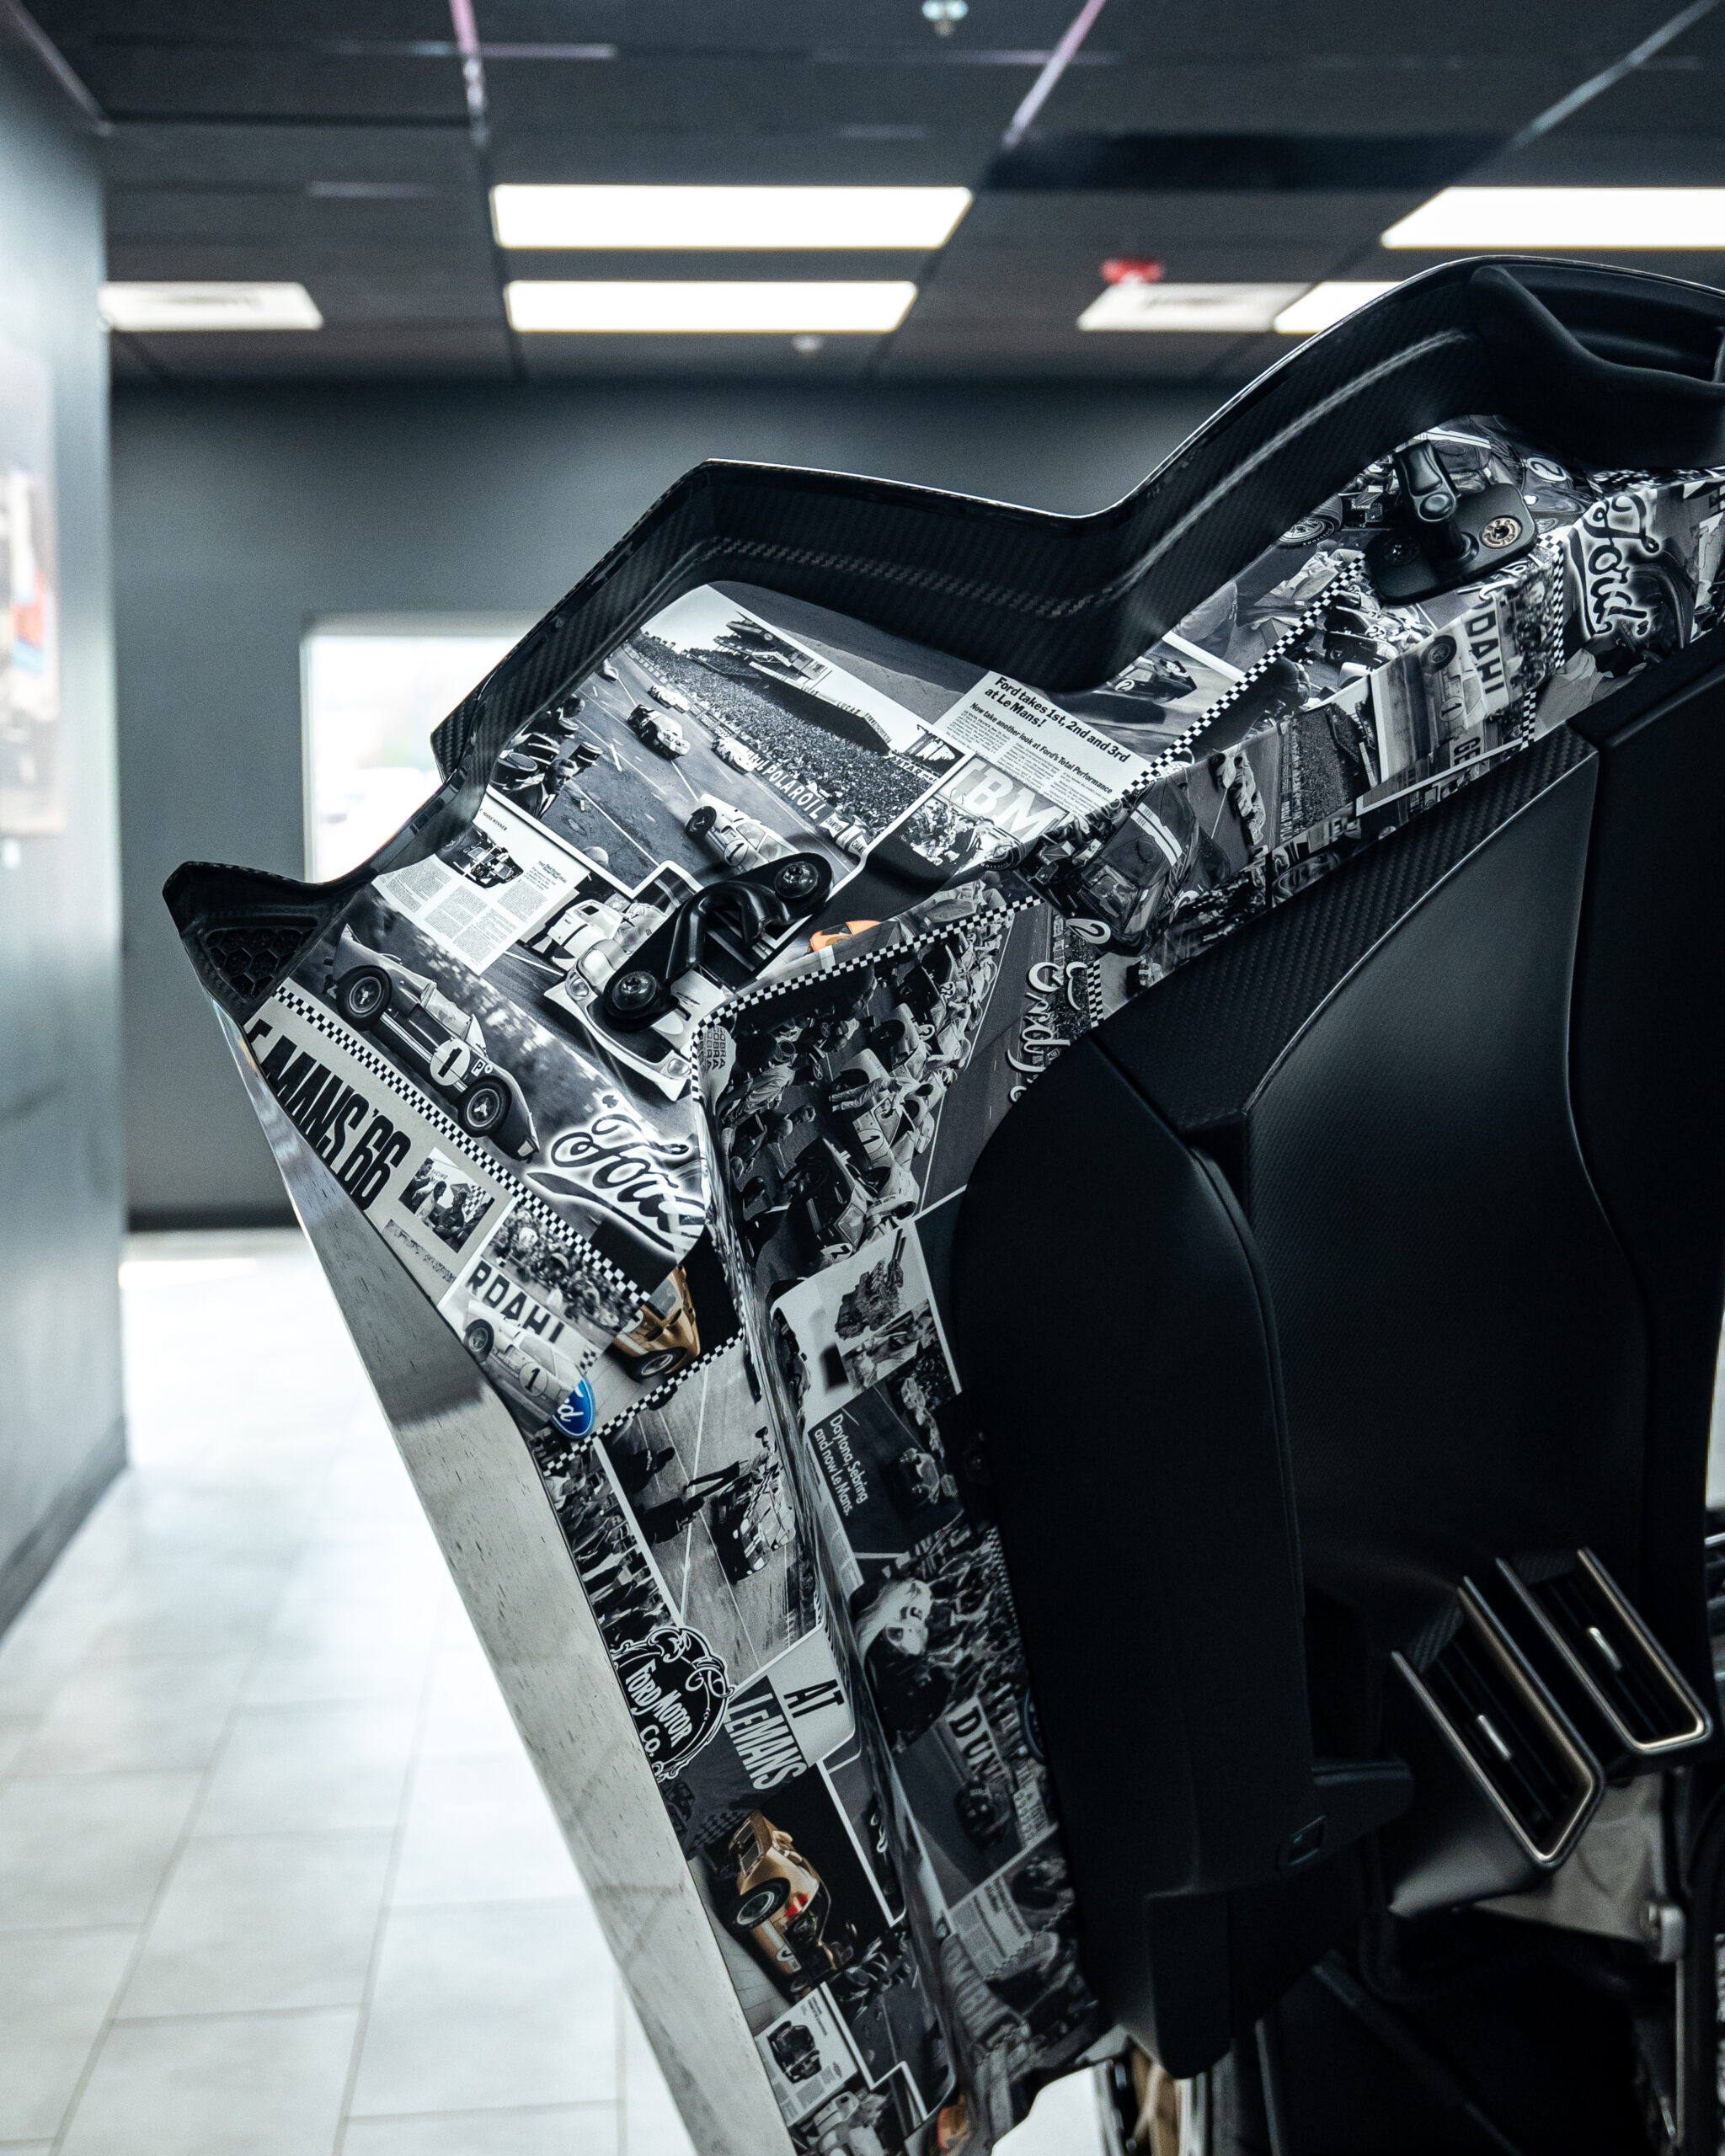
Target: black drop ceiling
{"type": "Point", "coordinates": [330, 142]}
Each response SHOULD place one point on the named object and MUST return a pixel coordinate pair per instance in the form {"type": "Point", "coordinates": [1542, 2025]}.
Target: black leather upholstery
{"type": "Point", "coordinates": [1462, 1095]}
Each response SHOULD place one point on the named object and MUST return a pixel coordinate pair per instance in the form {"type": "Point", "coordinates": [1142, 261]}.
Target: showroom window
{"type": "Point", "coordinates": [373, 689]}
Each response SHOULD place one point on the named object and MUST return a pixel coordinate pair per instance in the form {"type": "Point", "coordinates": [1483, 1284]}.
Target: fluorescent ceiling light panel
{"type": "Point", "coordinates": [1325, 304]}
{"type": "Point", "coordinates": [690, 307]}
{"type": "Point", "coordinates": [1215, 310]}
{"type": "Point", "coordinates": [815, 218]}
{"type": "Point", "coordinates": [1603, 218]}
{"type": "Point", "coordinates": [151, 309]}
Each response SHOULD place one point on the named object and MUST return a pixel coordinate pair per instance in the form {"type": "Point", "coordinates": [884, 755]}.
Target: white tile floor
{"type": "Point", "coordinates": [276, 1878]}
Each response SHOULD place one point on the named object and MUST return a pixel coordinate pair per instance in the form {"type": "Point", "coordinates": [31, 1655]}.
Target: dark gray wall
{"type": "Point", "coordinates": [240, 513]}
{"type": "Point", "coordinates": [62, 1177]}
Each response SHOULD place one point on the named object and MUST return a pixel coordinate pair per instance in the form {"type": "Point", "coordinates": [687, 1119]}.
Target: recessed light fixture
{"type": "Point", "coordinates": [1606, 219]}
{"type": "Point", "coordinates": [643, 307]}
{"type": "Point", "coordinates": [816, 218]}
{"type": "Point", "coordinates": [150, 309]}
{"type": "Point", "coordinates": [1214, 310]}
{"type": "Point", "coordinates": [1325, 304]}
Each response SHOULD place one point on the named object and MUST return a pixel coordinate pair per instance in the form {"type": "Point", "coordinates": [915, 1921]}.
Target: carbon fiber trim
{"type": "Point", "coordinates": [1200, 1041]}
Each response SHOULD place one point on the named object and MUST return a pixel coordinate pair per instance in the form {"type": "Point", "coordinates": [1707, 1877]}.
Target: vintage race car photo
{"type": "Point", "coordinates": [981, 1813]}
{"type": "Point", "coordinates": [533, 1360]}
{"type": "Point", "coordinates": [916, 1482]}
{"type": "Point", "coordinates": [592, 937]}
{"type": "Point", "coordinates": [664, 1338]}
{"type": "Point", "coordinates": [740, 842]}
{"type": "Point", "coordinates": [658, 732]}
{"type": "Point", "coordinates": [836, 1210]}
{"type": "Point", "coordinates": [541, 764]}
{"type": "Point", "coordinates": [852, 839]}
{"type": "Point", "coordinates": [750, 1524]}
{"type": "Point", "coordinates": [737, 754]}
{"type": "Point", "coordinates": [784, 1905]}
{"type": "Point", "coordinates": [411, 1015]}
{"type": "Point", "coordinates": [485, 862]}
{"type": "Point", "coordinates": [788, 1359]}
{"type": "Point", "coordinates": [796, 2051]}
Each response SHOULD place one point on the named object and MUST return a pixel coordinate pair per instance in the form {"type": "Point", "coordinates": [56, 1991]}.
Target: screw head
{"type": "Point", "coordinates": [633, 991]}
{"type": "Point", "coordinates": [797, 879]}
{"type": "Point", "coordinates": [1500, 531]}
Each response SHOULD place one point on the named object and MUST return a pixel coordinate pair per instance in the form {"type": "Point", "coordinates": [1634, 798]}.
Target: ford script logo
{"type": "Point", "coordinates": [613, 1163]}
{"type": "Point", "coordinates": [677, 1693]}
{"type": "Point", "coordinates": [575, 1414]}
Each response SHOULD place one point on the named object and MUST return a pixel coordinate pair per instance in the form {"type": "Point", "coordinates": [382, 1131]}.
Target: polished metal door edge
{"type": "Point", "coordinates": [500, 1539]}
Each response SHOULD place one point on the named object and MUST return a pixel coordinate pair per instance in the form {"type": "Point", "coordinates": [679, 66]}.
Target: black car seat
{"type": "Point", "coordinates": [1338, 1321]}
{"type": "Point", "coordinates": [1409, 1206]}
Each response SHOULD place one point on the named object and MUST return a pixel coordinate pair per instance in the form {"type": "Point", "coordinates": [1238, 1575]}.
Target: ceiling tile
{"type": "Point", "coordinates": [329, 142]}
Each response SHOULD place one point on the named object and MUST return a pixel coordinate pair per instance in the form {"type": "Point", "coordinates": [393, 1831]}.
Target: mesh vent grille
{"type": "Point", "coordinates": [252, 957]}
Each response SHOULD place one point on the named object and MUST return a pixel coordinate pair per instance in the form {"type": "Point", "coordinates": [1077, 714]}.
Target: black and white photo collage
{"type": "Point", "coordinates": [537, 1162]}
{"type": "Point", "coordinates": [723, 790]}
{"type": "Point", "coordinates": [846, 1109]}
{"type": "Point", "coordinates": [1347, 714]}
{"type": "Point", "coordinates": [664, 1082]}
{"type": "Point", "coordinates": [847, 1104]}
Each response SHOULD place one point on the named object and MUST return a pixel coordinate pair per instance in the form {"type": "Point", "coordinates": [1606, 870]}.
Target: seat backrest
{"type": "Point", "coordinates": [1408, 1200]}
{"type": "Point", "coordinates": [1371, 1247]}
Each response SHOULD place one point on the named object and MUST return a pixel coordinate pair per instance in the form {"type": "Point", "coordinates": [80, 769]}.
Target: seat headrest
{"type": "Point", "coordinates": [1591, 409]}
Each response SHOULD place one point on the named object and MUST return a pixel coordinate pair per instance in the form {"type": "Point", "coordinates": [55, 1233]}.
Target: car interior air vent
{"type": "Point", "coordinates": [1715, 1547]}
{"type": "Point", "coordinates": [1508, 1733]}
{"type": "Point", "coordinates": [1616, 1659]}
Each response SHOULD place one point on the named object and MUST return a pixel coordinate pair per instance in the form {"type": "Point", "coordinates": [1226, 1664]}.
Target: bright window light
{"type": "Point", "coordinates": [1325, 304]}
{"type": "Point", "coordinates": [373, 687]}
{"type": "Point", "coordinates": [150, 309]}
{"type": "Point", "coordinates": [1215, 310]}
{"type": "Point", "coordinates": [1606, 219]}
{"type": "Point", "coordinates": [649, 308]}
{"type": "Point", "coordinates": [817, 218]}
